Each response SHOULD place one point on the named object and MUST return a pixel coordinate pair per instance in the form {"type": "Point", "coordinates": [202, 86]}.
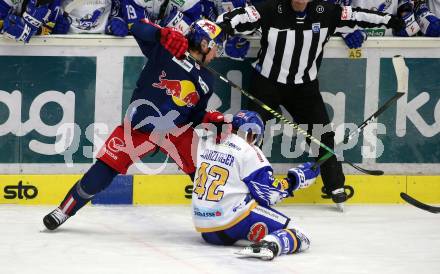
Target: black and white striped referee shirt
{"type": "Point", "coordinates": [292, 46]}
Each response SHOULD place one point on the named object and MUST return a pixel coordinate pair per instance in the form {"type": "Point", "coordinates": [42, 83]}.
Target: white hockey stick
{"type": "Point", "coordinates": [402, 73]}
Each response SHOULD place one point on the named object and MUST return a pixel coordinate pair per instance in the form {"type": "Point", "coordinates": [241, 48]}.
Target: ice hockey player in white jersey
{"type": "Point", "coordinates": [234, 189]}
{"type": "Point", "coordinates": [93, 16]}
{"type": "Point", "coordinates": [21, 23]}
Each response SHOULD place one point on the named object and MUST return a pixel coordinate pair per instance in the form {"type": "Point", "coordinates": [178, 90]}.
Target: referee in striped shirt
{"type": "Point", "coordinates": [294, 33]}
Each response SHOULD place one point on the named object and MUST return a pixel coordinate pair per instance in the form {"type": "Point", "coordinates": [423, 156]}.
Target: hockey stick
{"type": "Point", "coordinates": [280, 116]}
{"type": "Point", "coordinates": [402, 74]}
{"type": "Point", "coordinates": [369, 120]}
{"type": "Point", "coordinates": [418, 204]}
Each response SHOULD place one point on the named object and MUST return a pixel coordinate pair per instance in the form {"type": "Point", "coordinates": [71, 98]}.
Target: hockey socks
{"type": "Point", "coordinates": [94, 181]}
{"type": "Point", "coordinates": [288, 240]}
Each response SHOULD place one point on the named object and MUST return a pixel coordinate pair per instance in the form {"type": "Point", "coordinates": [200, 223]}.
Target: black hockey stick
{"type": "Point", "coordinates": [418, 204]}
{"type": "Point", "coordinates": [402, 75]}
{"type": "Point", "coordinates": [369, 120]}
{"type": "Point", "coordinates": [281, 117]}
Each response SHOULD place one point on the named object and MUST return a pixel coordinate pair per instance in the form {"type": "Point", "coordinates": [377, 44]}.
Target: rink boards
{"type": "Point", "coordinates": [177, 189]}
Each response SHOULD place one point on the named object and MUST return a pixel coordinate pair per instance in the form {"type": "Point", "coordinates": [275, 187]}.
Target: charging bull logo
{"type": "Point", "coordinates": [257, 232]}
{"type": "Point", "coordinates": [182, 92]}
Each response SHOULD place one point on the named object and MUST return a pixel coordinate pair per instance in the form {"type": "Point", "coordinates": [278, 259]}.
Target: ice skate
{"type": "Point", "coordinates": [263, 250]}
{"type": "Point", "coordinates": [54, 219]}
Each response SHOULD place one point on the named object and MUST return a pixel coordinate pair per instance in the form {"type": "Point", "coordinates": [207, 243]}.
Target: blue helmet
{"type": "Point", "coordinates": [205, 30]}
{"type": "Point", "coordinates": [245, 122]}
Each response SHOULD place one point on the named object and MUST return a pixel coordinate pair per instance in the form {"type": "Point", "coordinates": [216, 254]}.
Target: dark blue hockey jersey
{"type": "Point", "coordinates": [167, 84]}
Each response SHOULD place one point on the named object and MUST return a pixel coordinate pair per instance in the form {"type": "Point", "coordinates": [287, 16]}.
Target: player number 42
{"type": "Point", "coordinates": [217, 176]}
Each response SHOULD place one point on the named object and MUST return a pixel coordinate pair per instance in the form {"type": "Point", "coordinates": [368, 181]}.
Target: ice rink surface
{"type": "Point", "coordinates": [364, 239]}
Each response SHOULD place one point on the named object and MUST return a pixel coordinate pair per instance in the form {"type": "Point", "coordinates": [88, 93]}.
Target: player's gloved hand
{"type": "Point", "coordinates": [117, 27]}
{"type": "Point", "coordinates": [16, 28]}
{"type": "Point", "coordinates": [62, 25]}
{"type": "Point", "coordinates": [237, 47]}
{"type": "Point", "coordinates": [214, 116]}
{"type": "Point", "coordinates": [302, 176]}
{"type": "Point", "coordinates": [36, 16]}
{"type": "Point", "coordinates": [405, 11]}
{"type": "Point", "coordinates": [177, 20]}
{"type": "Point", "coordinates": [173, 41]}
{"type": "Point", "coordinates": [428, 22]}
{"type": "Point", "coordinates": [355, 39]}
{"type": "Point", "coordinates": [396, 23]}
{"type": "Point", "coordinates": [47, 27]}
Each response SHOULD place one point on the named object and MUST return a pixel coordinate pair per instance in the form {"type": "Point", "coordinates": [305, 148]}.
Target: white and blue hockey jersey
{"type": "Point", "coordinates": [92, 16]}
{"type": "Point", "coordinates": [232, 178]}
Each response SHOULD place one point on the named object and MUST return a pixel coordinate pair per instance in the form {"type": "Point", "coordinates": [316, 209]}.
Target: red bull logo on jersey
{"type": "Point", "coordinates": [257, 232]}
{"type": "Point", "coordinates": [183, 92]}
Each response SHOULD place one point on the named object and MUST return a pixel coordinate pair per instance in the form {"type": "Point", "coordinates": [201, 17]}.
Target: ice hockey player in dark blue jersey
{"type": "Point", "coordinates": [169, 100]}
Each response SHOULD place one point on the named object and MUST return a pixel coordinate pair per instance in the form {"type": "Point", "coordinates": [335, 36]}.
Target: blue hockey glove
{"type": "Point", "coordinates": [302, 176]}
{"type": "Point", "coordinates": [355, 39]}
{"type": "Point", "coordinates": [428, 22]}
{"type": "Point", "coordinates": [237, 48]}
{"type": "Point", "coordinates": [117, 26]}
{"type": "Point", "coordinates": [35, 16]}
{"type": "Point", "coordinates": [62, 25]}
{"type": "Point", "coordinates": [177, 20]}
{"type": "Point", "coordinates": [55, 12]}
{"type": "Point", "coordinates": [405, 11]}
{"type": "Point", "coordinates": [16, 28]}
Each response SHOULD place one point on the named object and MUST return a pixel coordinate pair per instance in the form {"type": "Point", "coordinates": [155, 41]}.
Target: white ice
{"type": "Point", "coordinates": [364, 239]}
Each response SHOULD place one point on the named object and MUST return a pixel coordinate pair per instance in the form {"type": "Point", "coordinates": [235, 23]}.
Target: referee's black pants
{"type": "Point", "coordinates": [304, 102]}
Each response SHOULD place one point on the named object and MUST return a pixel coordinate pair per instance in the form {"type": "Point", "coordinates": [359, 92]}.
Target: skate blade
{"type": "Point", "coordinates": [264, 254]}
{"type": "Point", "coordinates": [340, 207]}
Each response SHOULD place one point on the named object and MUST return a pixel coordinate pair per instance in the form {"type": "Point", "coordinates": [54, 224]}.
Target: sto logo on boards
{"type": "Point", "coordinates": [20, 191]}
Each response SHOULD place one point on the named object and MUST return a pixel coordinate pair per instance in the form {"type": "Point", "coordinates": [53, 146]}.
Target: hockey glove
{"type": "Point", "coordinates": [178, 20]}
{"type": "Point", "coordinates": [302, 176]}
{"type": "Point", "coordinates": [428, 22]}
{"type": "Point", "coordinates": [355, 39]}
{"type": "Point", "coordinates": [54, 7]}
{"type": "Point", "coordinates": [405, 11]}
{"type": "Point", "coordinates": [16, 28]}
{"type": "Point", "coordinates": [36, 16]}
{"type": "Point", "coordinates": [214, 116]}
{"type": "Point", "coordinates": [214, 121]}
{"type": "Point", "coordinates": [237, 48]}
{"type": "Point", "coordinates": [117, 27]}
{"type": "Point", "coordinates": [173, 41]}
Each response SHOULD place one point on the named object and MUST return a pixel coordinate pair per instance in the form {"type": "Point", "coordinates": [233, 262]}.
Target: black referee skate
{"type": "Point", "coordinates": [263, 250]}
{"type": "Point", "coordinates": [54, 219]}
{"type": "Point", "coordinates": [339, 196]}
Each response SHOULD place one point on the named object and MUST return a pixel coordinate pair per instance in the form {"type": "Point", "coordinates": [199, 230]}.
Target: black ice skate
{"type": "Point", "coordinates": [339, 196]}
{"type": "Point", "coordinates": [54, 219]}
{"type": "Point", "coordinates": [263, 250]}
